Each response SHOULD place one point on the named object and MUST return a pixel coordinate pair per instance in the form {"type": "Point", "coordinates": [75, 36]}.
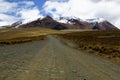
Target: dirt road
{"type": "Point", "coordinates": [52, 60]}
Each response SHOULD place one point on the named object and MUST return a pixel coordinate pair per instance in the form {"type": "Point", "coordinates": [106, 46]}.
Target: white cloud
{"type": "Point", "coordinates": [4, 23]}
{"type": "Point", "coordinates": [5, 9]}
{"type": "Point", "coordinates": [6, 6]}
{"type": "Point", "coordinates": [11, 12]}
{"type": "Point", "coordinates": [59, 0]}
{"type": "Point", "coordinates": [107, 9]}
{"type": "Point", "coordinates": [29, 14]}
{"type": "Point", "coordinates": [28, 3]}
{"type": "Point", "coordinates": [7, 17]}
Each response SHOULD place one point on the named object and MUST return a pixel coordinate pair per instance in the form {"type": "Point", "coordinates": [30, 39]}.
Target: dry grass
{"type": "Point", "coordinates": [105, 43]}
{"type": "Point", "coordinates": [20, 35]}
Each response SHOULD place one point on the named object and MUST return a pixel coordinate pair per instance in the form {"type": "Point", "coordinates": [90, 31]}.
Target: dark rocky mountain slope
{"type": "Point", "coordinates": [69, 23]}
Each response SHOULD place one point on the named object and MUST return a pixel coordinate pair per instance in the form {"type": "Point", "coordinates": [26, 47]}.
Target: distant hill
{"type": "Point", "coordinates": [46, 22]}
{"type": "Point", "coordinates": [69, 23]}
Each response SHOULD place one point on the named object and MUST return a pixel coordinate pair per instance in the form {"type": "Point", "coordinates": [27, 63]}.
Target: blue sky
{"type": "Point", "coordinates": [38, 3]}
{"type": "Point", "coordinates": [29, 10]}
{"type": "Point", "coordinates": [16, 10]}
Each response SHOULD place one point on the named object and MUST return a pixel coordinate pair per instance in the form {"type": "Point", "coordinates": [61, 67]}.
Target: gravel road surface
{"type": "Point", "coordinates": [52, 60]}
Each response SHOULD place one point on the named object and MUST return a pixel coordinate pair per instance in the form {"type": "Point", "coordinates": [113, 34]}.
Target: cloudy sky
{"type": "Point", "coordinates": [29, 10]}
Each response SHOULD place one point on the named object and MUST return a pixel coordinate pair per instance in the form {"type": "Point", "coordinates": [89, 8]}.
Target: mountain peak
{"type": "Point", "coordinates": [70, 23]}
{"type": "Point", "coordinates": [70, 20]}
{"type": "Point", "coordinates": [47, 18]}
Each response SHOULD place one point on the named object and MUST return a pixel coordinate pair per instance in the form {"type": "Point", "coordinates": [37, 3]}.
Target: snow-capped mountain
{"type": "Point", "coordinates": [13, 25]}
{"type": "Point", "coordinates": [98, 23]}
{"type": "Point", "coordinates": [68, 23]}
{"type": "Point", "coordinates": [70, 20]}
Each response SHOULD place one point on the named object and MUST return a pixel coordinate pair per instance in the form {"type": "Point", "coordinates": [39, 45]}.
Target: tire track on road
{"type": "Point", "coordinates": [53, 60]}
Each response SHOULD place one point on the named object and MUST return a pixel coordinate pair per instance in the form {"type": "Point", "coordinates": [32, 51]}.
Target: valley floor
{"type": "Point", "coordinates": [52, 60]}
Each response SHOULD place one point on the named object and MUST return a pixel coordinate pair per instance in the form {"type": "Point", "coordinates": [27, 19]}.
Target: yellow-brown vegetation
{"type": "Point", "coordinates": [20, 35]}
{"type": "Point", "coordinates": [105, 43]}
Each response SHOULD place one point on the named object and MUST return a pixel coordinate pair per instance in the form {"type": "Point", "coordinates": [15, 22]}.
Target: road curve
{"type": "Point", "coordinates": [53, 60]}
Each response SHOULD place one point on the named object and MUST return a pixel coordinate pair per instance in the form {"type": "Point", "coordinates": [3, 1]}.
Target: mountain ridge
{"type": "Point", "coordinates": [69, 23]}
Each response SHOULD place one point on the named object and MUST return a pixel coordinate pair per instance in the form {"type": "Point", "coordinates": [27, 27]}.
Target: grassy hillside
{"type": "Point", "coordinates": [105, 43]}
{"type": "Point", "coordinates": [11, 36]}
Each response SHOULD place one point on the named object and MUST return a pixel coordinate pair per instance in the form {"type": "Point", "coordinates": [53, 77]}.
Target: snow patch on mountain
{"type": "Point", "coordinates": [71, 20]}
{"type": "Point", "coordinates": [62, 20]}
{"type": "Point", "coordinates": [99, 20]}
